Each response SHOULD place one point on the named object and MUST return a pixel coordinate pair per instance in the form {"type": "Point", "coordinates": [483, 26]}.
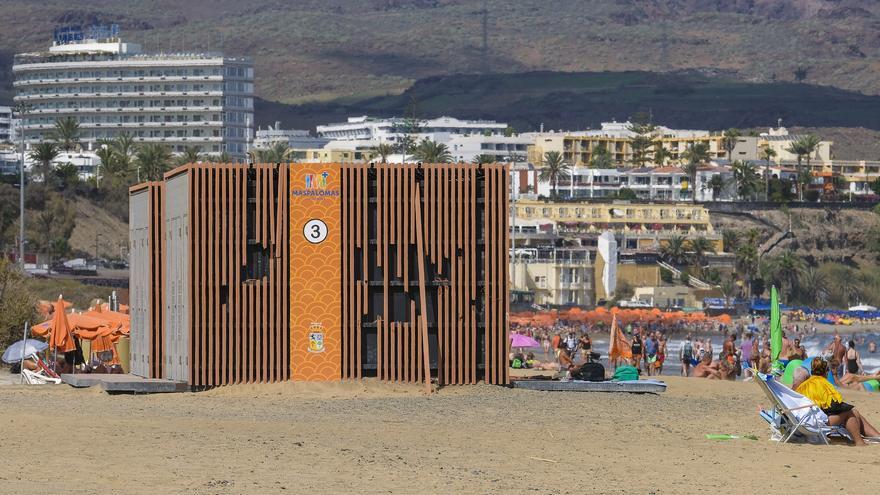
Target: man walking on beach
{"type": "Point", "coordinates": [650, 354]}
{"type": "Point", "coordinates": [686, 354]}
{"type": "Point", "coordinates": [745, 357]}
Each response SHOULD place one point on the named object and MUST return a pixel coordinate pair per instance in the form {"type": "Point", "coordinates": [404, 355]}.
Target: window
{"type": "Point", "coordinates": [545, 212]}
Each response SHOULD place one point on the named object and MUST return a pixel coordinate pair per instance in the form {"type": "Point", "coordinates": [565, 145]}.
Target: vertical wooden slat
{"type": "Point", "coordinates": [386, 269]}
{"type": "Point", "coordinates": [208, 272]}
{"type": "Point", "coordinates": [224, 275]}
{"type": "Point", "coordinates": [263, 342]}
{"type": "Point", "coordinates": [396, 184]}
{"type": "Point", "coordinates": [475, 255]}
{"type": "Point", "coordinates": [240, 256]}
{"type": "Point", "coordinates": [453, 273]}
{"type": "Point", "coordinates": [406, 205]}
{"type": "Point", "coordinates": [271, 283]}
{"type": "Point", "coordinates": [423, 304]}
{"type": "Point", "coordinates": [346, 330]}
{"type": "Point", "coordinates": [487, 344]}
{"type": "Point", "coordinates": [505, 279]}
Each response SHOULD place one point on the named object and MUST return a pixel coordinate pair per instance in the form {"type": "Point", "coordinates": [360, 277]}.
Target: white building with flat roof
{"type": "Point", "coordinates": [294, 138]}
{"type": "Point", "coordinates": [202, 100]}
{"type": "Point", "coordinates": [392, 129]}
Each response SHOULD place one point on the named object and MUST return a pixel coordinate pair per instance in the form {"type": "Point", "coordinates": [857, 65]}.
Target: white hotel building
{"type": "Point", "coordinates": [202, 100]}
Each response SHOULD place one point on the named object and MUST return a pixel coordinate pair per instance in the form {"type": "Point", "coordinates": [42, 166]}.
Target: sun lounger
{"type": "Point", "coordinates": [795, 417]}
{"type": "Point", "coordinates": [42, 376]}
{"type": "Point", "coordinates": [39, 378]}
{"type": "Point", "coordinates": [631, 386]}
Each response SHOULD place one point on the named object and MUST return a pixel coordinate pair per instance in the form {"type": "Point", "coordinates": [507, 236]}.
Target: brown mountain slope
{"type": "Point", "coordinates": [321, 49]}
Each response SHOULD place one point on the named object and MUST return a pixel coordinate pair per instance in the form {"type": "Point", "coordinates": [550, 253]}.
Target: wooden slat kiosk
{"type": "Point", "coordinates": [271, 272]}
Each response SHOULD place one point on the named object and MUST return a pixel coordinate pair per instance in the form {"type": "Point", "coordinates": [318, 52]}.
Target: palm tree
{"type": "Point", "coordinates": [694, 156]}
{"type": "Point", "coordinates": [747, 179]}
{"type": "Point", "coordinates": [716, 185]}
{"type": "Point", "coordinates": [484, 158]}
{"type": "Point", "coordinates": [108, 160]}
{"type": "Point", "coordinates": [730, 239]}
{"type": "Point", "coordinates": [278, 152]}
{"type": "Point", "coordinates": [747, 264]}
{"type": "Point", "coordinates": [673, 252]}
{"type": "Point", "coordinates": [815, 285]}
{"type": "Point", "coordinates": [67, 175]}
{"type": "Point", "coordinates": [601, 157]}
{"type": "Point", "coordinates": [797, 148]}
{"type": "Point", "coordinates": [767, 154]}
{"type": "Point", "coordinates": [191, 154]}
{"type": "Point", "coordinates": [384, 150]}
{"type": "Point", "coordinates": [698, 248]}
{"type": "Point", "coordinates": [44, 153]}
{"type": "Point", "coordinates": [66, 133]}
{"type": "Point", "coordinates": [730, 138]}
{"type": "Point", "coordinates": [553, 169]}
{"type": "Point", "coordinates": [429, 151]}
{"type": "Point", "coordinates": [728, 289]}
{"type": "Point", "coordinates": [786, 269]}
{"type": "Point", "coordinates": [153, 161]}
{"type": "Point", "coordinates": [808, 145]}
{"type": "Point", "coordinates": [661, 154]}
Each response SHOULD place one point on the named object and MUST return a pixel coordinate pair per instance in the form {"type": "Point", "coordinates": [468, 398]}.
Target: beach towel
{"type": "Point", "coordinates": [625, 373]}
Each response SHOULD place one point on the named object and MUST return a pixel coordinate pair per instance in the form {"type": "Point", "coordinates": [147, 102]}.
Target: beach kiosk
{"type": "Point", "coordinates": [244, 273]}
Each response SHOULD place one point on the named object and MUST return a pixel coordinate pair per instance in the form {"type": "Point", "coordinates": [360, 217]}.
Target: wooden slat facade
{"type": "Point", "coordinates": [238, 329]}
{"type": "Point", "coordinates": [423, 266]}
{"type": "Point", "coordinates": [424, 272]}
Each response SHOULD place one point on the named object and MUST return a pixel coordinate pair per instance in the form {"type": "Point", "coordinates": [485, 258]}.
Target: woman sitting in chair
{"type": "Point", "coordinates": [819, 390]}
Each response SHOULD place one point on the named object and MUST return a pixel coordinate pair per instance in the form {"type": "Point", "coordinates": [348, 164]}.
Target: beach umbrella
{"type": "Point", "coordinates": [775, 330]}
{"type": "Point", "coordinates": [520, 340]}
{"type": "Point", "coordinates": [618, 346]}
{"type": "Point", "coordinates": [26, 348]}
{"type": "Point", "coordinates": [61, 337]}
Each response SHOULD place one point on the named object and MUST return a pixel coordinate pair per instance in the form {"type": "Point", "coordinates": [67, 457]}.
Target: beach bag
{"type": "Point", "coordinates": [517, 364]}
{"type": "Point", "coordinates": [591, 372]}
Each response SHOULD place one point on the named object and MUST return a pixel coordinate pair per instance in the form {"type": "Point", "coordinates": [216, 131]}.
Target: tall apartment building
{"type": "Point", "coordinates": [7, 124]}
{"type": "Point", "coordinates": [203, 100]}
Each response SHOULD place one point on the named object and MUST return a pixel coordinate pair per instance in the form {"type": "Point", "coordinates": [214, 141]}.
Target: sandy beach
{"type": "Point", "coordinates": [379, 438]}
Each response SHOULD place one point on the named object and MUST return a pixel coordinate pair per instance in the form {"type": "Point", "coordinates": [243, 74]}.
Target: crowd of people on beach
{"type": "Point", "coordinates": [746, 347]}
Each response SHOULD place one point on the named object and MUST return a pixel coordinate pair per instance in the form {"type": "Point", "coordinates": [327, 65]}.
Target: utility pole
{"type": "Point", "coordinates": [97, 235]}
{"type": "Point", "coordinates": [21, 109]}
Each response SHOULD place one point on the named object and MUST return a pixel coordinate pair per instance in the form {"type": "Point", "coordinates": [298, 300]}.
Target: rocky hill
{"type": "Point", "coordinates": [325, 49]}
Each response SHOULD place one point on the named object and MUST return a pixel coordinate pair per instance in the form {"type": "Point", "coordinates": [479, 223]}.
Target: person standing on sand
{"type": "Point", "coordinates": [838, 355]}
{"type": "Point", "coordinates": [745, 357]}
{"type": "Point", "coordinates": [661, 354]}
{"type": "Point", "coordinates": [686, 354]}
{"type": "Point", "coordinates": [650, 353]}
{"type": "Point", "coordinates": [636, 349]}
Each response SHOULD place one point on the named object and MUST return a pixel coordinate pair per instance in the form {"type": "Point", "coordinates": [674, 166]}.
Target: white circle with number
{"type": "Point", "coordinates": [315, 231]}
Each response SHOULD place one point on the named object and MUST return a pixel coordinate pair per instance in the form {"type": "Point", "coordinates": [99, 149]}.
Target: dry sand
{"type": "Point", "coordinates": [379, 438]}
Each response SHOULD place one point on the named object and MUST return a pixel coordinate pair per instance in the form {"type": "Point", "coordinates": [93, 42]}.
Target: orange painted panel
{"type": "Point", "coordinates": [315, 283]}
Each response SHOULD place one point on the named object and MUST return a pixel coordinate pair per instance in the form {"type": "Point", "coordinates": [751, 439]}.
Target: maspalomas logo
{"type": "Point", "coordinates": [316, 337]}
{"type": "Point", "coordinates": [317, 185]}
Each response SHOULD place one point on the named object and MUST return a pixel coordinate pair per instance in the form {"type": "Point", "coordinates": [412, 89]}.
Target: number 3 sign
{"type": "Point", "coordinates": [315, 231]}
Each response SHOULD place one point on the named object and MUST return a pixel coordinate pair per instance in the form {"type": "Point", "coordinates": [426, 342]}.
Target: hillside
{"type": "Point", "coordinates": [577, 100]}
{"type": "Point", "coordinates": [325, 49]}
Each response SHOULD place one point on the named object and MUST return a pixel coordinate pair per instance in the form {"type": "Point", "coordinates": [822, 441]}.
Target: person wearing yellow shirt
{"type": "Point", "coordinates": [819, 390]}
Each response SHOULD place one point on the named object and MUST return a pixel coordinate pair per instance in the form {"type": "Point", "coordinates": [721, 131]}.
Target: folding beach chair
{"type": "Point", "coordinates": [41, 377]}
{"type": "Point", "coordinates": [795, 417]}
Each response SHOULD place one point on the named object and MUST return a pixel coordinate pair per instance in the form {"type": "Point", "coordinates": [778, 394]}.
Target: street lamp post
{"type": "Point", "coordinates": [21, 109]}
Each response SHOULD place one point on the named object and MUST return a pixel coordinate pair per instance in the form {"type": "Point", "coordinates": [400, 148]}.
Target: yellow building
{"type": "Point", "coordinates": [649, 225]}
{"type": "Point", "coordinates": [557, 277]}
{"type": "Point", "coordinates": [577, 148]}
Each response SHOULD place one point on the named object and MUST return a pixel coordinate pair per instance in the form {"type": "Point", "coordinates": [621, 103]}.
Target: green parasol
{"type": "Point", "coordinates": [775, 332]}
